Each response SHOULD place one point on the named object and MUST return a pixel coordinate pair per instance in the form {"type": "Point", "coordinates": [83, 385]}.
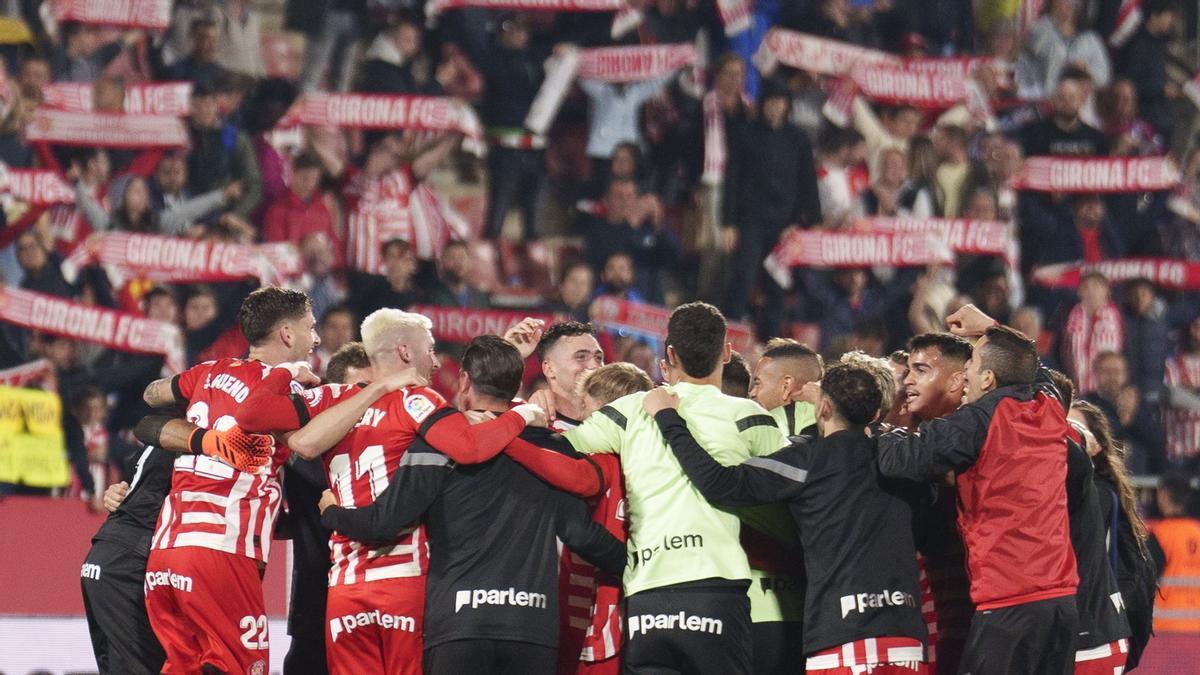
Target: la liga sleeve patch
{"type": "Point", "coordinates": [418, 407]}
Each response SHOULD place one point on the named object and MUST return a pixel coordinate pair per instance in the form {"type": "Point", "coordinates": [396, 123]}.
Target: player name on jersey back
{"type": "Point", "coordinates": [359, 469]}
{"type": "Point", "coordinates": [211, 504]}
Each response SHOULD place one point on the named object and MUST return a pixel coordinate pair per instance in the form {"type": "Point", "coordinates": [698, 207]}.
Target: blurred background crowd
{"type": "Point", "coordinates": [654, 191]}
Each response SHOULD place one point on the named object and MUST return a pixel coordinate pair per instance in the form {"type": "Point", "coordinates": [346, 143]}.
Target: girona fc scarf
{"type": "Point", "coordinates": [152, 14]}
{"type": "Point", "coordinates": [26, 373]}
{"type": "Point", "coordinates": [715, 150]}
{"type": "Point", "coordinates": [372, 111]}
{"type": "Point", "coordinates": [969, 237]}
{"type": "Point", "coordinates": [159, 98]}
{"type": "Point", "coordinates": [1086, 336]}
{"type": "Point", "coordinates": [634, 64]}
{"type": "Point", "coordinates": [453, 324]}
{"type": "Point", "coordinates": [107, 130]}
{"type": "Point", "coordinates": [38, 187]}
{"type": "Point", "coordinates": [109, 328]}
{"type": "Point", "coordinates": [1097, 174]}
{"type": "Point", "coordinates": [651, 320]}
{"type": "Point", "coordinates": [1174, 274]}
{"type": "Point", "coordinates": [182, 260]}
{"type": "Point", "coordinates": [817, 54]}
{"type": "Point", "coordinates": [826, 248]}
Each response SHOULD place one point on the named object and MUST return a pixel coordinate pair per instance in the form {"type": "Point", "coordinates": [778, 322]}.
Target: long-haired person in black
{"type": "Point", "coordinates": [1130, 552]}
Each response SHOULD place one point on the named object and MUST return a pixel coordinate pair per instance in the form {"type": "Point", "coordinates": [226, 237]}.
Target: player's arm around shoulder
{"type": "Point", "coordinates": [603, 432]}
{"type": "Point", "coordinates": [757, 428]}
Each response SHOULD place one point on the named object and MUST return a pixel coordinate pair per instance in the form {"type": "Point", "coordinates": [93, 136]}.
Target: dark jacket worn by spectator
{"type": "Point", "coordinates": [219, 156]}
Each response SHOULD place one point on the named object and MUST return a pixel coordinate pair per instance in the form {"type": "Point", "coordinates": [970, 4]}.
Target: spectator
{"type": "Point", "coordinates": [841, 298]}
{"type": "Point", "coordinates": [220, 153]}
{"type": "Point", "coordinates": [574, 292]}
{"type": "Point", "coordinates": [32, 77]}
{"type": "Point", "coordinates": [952, 169]}
{"type": "Point", "coordinates": [835, 157]}
{"type": "Point", "coordinates": [82, 57]}
{"type": "Point", "coordinates": [999, 159]}
{"type": "Point", "coordinates": [322, 280]}
{"type": "Point", "coordinates": [626, 163]}
{"type": "Point", "coordinates": [892, 194]}
{"type": "Point", "coordinates": [303, 209]}
{"type": "Point", "coordinates": [1064, 132]}
{"type": "Point", "coordinates": [1146, 341]}
{"type": "Point", "coordinates": [200, 67]}
{"type": "Point", "coordinates": [516, 161]}
{"type": "Point", "coordinates": [332, 52]}
{"type": "Point", "coordinates": [1143, 61]}
{"type": "Point", "coordinates": [1182, 384]}
{"type": "Point", "coordinates": [1055, 41]}
{"type": "Point", "coordinates": [992, 296]}
{"type": "Point", "coordinates": [240, 46]}
{"type": "Point", "coordinates": [40, 267]}
{"type": "Point", "coordinates": [614, 115]}
{"type": "Point", "coordinates": [771, 184]}
{"type": "Point", "coordinates": [395, 64]}
{"type": "Point", "coordinates": [668, 22]}
{"type": "Point", "coordinates": [455, 289]}
{"type": "Point", "coordinates": [1092, 326]}
{"type": "Point", "coordinates": [178, 209]}
{"type": "Point", "coordinates": [618, 278]}
{"type": "Point", "coordinates": [1127, 134]}
{"type": "Point", "coordinates": [131, 208]}
{"type": "Point", "coordinates": [266, 104]}
{"type": "Point", "coordinates": [209, 321]}
{"type": "Point", "coordinates": [336, 328]}
{"type": "Point", "coordinates": [1131, 419]}
{"type": "Point", "coordinates": [395, 288]}
{"type": "Point", "coordinates": [895, 129]}
{"type": "Point", "coordinates": [1046, 239]}
{"type": "Point", "coordinates": [630, 224]}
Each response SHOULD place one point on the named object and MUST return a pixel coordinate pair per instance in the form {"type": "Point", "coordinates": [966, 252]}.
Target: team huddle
{"type": "Point", "coordinates": [945, 510]}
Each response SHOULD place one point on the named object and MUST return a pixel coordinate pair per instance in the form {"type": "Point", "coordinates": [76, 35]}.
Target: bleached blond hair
{"type": "Point", "coordinates": [883, 375]}
{"type": "Point", "coordinates": [386, 329]}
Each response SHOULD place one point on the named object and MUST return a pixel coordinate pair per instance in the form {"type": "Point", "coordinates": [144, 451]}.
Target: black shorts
{"type": "Point", "coordinates": [495, 657]}
{"type": "Point", "coordinates": [689, 629]}
{"type": "Point", "coordinates": [1035, 637]}
{"type": "Point", "coordinates": [113, 579]}
{"type": "Point", "coordinates": [778, 647]}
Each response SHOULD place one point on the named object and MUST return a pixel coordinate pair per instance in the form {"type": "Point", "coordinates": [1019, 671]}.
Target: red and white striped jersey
{"type": "Point", "coordinates": [360, 467]}
{"type": "Point", "coordinates": [1183, 426]}
{"type": "Point", "coordinates": [929, 611]}
{"type": "Point", "coordinates": [211, 504]}
{"type": "Point", "coordinates": [1087, 335]}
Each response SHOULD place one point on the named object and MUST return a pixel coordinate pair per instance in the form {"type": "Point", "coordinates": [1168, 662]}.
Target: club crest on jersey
{"type": "Point", "coordinates": [418, 407]}
{"type": "Point", "coordinates": [313, 396]}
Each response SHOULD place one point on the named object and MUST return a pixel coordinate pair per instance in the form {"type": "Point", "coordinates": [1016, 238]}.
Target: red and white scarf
{"type": "Point", "coordinates": [963, 236]}
{"type": "Point", "coordinates": [108, 130]}
{"type": "Point", "coordinates": [26, 373]}
{"type": "Point", "coordinates": [651, 320]}
{"type": "Point", "coordinates": [1097, 174]}
{"type": "Point", "coordinates": [1171, 273]}
{"type": "Point", "coordinates": [121, 331]}
{"type": "Point", "coordinates": [152, 14]}
{"type": "Point", "coordinates": [182, 260]}
{"type": "Point", "coordinates": [155, 98]}
{"type": "Point", "coordinates": [1086, 336]}
{"type": "Point", "coordinates": [634, 64]}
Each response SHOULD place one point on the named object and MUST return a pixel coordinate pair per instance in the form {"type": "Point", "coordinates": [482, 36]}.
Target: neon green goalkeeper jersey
{"type": "Point", "coordinates": [675, 535]}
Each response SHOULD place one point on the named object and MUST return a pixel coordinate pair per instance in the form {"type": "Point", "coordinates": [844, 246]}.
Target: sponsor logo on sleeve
{"type": "Point", "coordinates": [418, 407]}
{"type": "Point", "coordinates": [90, 571]}
{"type": "Point", "coordinates": [861, 602]}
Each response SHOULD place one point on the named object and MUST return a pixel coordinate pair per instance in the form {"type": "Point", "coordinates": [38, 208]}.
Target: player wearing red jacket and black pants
{"type": "Point", "coordinates": [1006, 447]}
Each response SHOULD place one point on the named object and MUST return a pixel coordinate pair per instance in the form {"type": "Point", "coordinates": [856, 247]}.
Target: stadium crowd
{"type": "Point", "coordinates": [839, 178]}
